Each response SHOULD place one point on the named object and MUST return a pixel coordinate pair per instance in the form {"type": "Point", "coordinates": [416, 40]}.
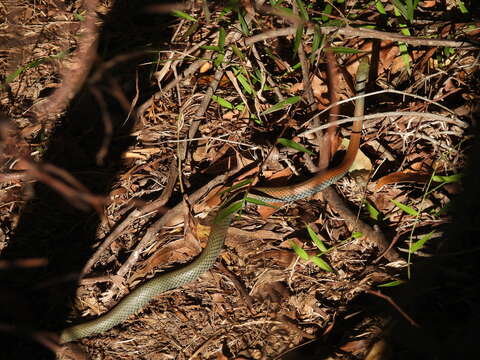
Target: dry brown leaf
{"type": "Point", "coordinates": [361, 162]}
{"type": "Point", "coordinates": [355, 347]}
{"type": "Point", "coordinates": [428, 3]}
{"type": "Point", "coordinates": [205, 67]}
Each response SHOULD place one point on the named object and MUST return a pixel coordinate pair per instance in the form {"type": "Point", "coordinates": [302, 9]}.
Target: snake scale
{"type": "Point", "coordinates": [139, 297]}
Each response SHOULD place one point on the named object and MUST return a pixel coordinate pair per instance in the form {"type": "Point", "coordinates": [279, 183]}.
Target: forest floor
{"type": "Point", "coordinates": [122, 124]}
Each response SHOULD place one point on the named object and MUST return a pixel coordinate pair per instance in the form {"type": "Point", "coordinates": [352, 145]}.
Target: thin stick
{"type": "Point", "coordinates": [394, 304]}
{"type": "Point", "coordinates": [364, 33]}
{"type": "Point", "coordinates": [434, 117]}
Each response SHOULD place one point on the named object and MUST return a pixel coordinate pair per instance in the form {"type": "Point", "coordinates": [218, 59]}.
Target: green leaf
{"type": "Point", "coordinates": [392, 283]}
{"type": "Point", "coordinates": [238, 52]}
{"type": "Point", "coordinates": [402, 9]}
{"type": "Point", "coordinates": [322, 264]}
{"type": "Point", "coordinates": [282, 104]}
{"type": "Point", "coordinates": [221, 38]}
{"type": "Point", "coordinates": [327, 10]}
{"type": "Point", "coordinates": [210, 47]}
{"type": "Point", "coordinates": [218, 60]}
{"type": "Point", "coordinates": [243, 24]}
{"type": "Point", "coordinates": [448, 179]}
{"type": "Point", "coordinates": [357, 234]}
{"type": "Point", "coordinates": [245, 84]}
{"type": "Point", "coordinates": [301, 9]}
{"type": "Point", "coordinates": [344, 50]}
{"type": "Point", "coordinates": [256, 119]}
{"type": "Point", "coordinates": [317, 39]}
{"type": "Point", "coordinates": [417, 245]}
{"type": "Point", "coordinates": [79, 15]}
{"type": "Point", "coordinates": [256, 201]}
{"type": "Point", "coordinates": [183, 15]}
{"type": "Point", "coordinates": [409, 210]}
{"type": "Point", "coordinates": [372, 211]}
{"type": "Point", "coordinates": [298, 39]}
{"type": "Point", "coordinates": [222, 102]}
{"type": "Point", "coordinates": [299, 251]}
{"type": "Point", "coordinates": [237, 186]}
{"type": "Point", "coordinates": [316, 239]}
{"type": "Point", "coordinates": [294, 145]}
{"type": "Point", "coordinates": [284, 11]}
{"type": "Point", "coordinates": [461, 6]}
{"type": "Point", "coordinates": [404, 51]}
{"type": "Point", "coordinates": [380, 8]}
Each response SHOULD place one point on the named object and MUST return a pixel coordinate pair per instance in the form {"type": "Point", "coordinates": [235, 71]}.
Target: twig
{"type": "Point", "coordinates": [212, 87]}
{"type": "Point", "coordinates": [191, 69]}
{"type": "Point", "coordinates": [416, 114]}
{"type": "Point", "coordinates": [365, 33]}
{"type": "Point", "coordinates": [74, 75]}
{"type": "Point", "coordinates": [389, 91]}
{"type": "Point", "coordinates": [134, 215]}
{"type": "Point", "coordinates": [107, 125]}
{"type": "Point", "coordinates": [374, 237]}
{"type": "Point", "coordinates": [135, 254]}
{"type": "Point", "coordinates": [394, 304]}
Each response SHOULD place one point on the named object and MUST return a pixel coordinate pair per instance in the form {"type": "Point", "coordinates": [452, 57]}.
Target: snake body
{"type": "Point", "coordinates": [139, 297]}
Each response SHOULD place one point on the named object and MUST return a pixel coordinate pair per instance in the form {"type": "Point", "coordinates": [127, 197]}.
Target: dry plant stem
{"type": "Point", "coordinates": [77, 197]}
{"type": "Point", "coordinates": [265, 77]}
{"type": "Point", "coordinates": [365, 33]}
{"type": "Point", "coordinates": [190, 70]}
{"type": "Point", "coordinates": [390, 246]}
{"type": "Point", "coordinates": [14, 176]}
{"type": "Point", "coordinates": [374, 237]}
{"type": "Point", "coordinates": [332, 81]}
{"type": "Point", "coordinates": [167, 192]}
{"type": "Point", "coordinates": [107, 125]}
{"type": "Point", "coordinates": [212, 87]}
{"type": "Point", "coordinates": [134, 215]}
{"type": "Point", "coordinates": [172, 217]}
{"type": "Point", "coordinates": [307, 84]}
{"type": "Point", "coordinates": [364, 118]}
{"type": "Point", "coordinates": [387, 91]}
{"type": "Point", "coordinates": [394, 304]}
{"type": "Point", "coordinates": [75, 75]}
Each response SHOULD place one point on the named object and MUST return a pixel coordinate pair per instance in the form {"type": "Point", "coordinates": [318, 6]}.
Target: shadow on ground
{"type": "Point", "coordinates": [50, 227]}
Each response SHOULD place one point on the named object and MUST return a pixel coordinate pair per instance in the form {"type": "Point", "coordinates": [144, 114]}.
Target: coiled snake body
{"type": "Point", "coordinates": [139, 297]}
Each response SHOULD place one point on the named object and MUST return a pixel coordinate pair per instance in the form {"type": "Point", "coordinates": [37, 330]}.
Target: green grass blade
{"type": "Point", "coordinates": [392, 283]}
{"type": "Point", "coordinates": [316, 239]}
{"type": "Point", "coordinates": [282, 104]}
{"type": "Point", "coordinates": [417, 245]}
{"type": "Point", "coordinates": [294, 145]}
{"type": "Point", "coordinates": [259, 202]}
{"type": "Point", "coordinates": [405, 208]}
{"type": "Point", "coordinates": [302, 254]}
{"type": "Point", "coordinates": [183, 15]}
{"type": "Point", "coordinates": [448, 179]}
{"type": "Point", "coordinates": [322, 264]}
{"type": "Point", "coordinates": [372, 211]}
{"type": "Point", "coordinates": [222, 102]}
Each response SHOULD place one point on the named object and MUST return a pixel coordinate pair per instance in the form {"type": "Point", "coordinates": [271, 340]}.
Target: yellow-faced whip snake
{"type": "Point", "coordinates": [139, 297]}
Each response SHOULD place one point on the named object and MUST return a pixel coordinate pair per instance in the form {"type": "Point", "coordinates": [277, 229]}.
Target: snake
{"type": "Point", "coordinates": [142, 295]}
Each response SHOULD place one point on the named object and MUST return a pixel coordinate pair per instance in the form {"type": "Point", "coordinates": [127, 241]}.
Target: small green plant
{"type": "Point", "coordinates": [294, 145]}
{"type": "Point", "coordinates": [282, 104]}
